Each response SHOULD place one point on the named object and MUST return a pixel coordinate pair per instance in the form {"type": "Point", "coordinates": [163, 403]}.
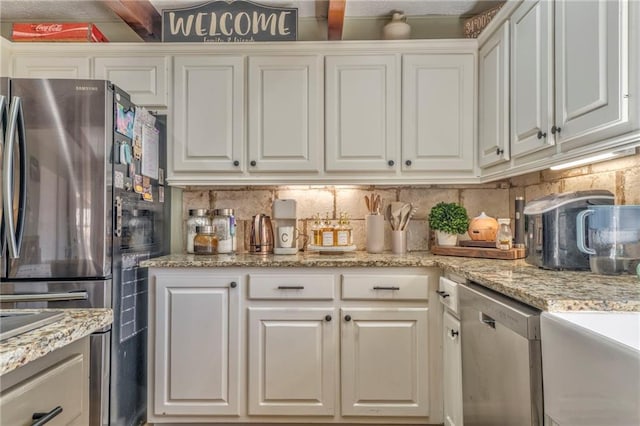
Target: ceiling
{"type": "Point", "coordinates": [116, 29]}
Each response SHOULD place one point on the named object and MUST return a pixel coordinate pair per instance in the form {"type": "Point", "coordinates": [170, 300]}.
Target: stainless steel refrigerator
{"type": "Point", "coordinates": [83, 202]}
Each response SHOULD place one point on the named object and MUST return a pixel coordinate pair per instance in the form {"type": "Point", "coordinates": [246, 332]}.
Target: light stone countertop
{"type": "Point", "coordinates": [554, 291]}
{"type": "Point", "coordinates": [74, 325]}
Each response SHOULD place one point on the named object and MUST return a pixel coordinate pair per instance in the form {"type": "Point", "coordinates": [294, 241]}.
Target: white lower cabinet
{"type": "Point", "coordinates": [452, 362]}
{"type": "Point", "coordinates": [274, 345]}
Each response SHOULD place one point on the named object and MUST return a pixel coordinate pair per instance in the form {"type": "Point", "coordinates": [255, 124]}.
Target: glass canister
{"type": "Point", "coordinates": [197, 217]}
{"type": "Point", "coordinates": [225, 223]}
{"type": "Point", "coordinates": [205, 241]}
{"type": "Point", "coordinates": [504, 236]}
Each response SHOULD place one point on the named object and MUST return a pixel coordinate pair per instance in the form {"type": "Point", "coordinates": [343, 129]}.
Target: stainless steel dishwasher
{"type": "Point", "coordinates": [501, 361]}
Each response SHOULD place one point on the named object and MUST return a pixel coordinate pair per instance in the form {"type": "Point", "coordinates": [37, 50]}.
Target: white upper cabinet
{"type": "Point", "coordinates": [592, 74]}
{"type": "Point", "coordinates": [438, 99]}
{"type": "Point", "coordinates": [531, 77]}
{"type": "Point", "coordinates": [145, 78]}
{"type": "Point", "coordinates": [493, 99]}
{"type": "Point", "coordinates": [51, 66]}
{"type": "Point", "coordinates": [208, 114]}
{"type": "Point", "coordinates": [361, 119]}
{"type": "Point", "coordinates": [285, 113]}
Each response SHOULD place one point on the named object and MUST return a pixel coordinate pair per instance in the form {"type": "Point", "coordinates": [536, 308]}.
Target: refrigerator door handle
{"type": "Point", "coordinates": [3, 128]}
{"type": "Point", "coordinates": [43, 297]}
{"type": "Point", "coordinates": [16, 125]}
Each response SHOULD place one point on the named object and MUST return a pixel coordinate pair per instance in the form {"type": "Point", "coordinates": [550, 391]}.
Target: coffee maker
{"type": "Point", "coordinates": [284, 214]}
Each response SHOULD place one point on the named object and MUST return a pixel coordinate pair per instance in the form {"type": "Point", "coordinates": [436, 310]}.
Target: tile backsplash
{"type": "Point", "coordinates": [621, 177]}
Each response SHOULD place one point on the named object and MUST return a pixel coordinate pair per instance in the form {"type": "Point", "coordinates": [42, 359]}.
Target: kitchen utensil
{"type": "Point", "coordinates": [613, 238]}
{"type": "Point", "coordinates": [404, 216]}
{"type": "Point", "coordinates": [396, 212]}
{"type": "Point", "coordinates": [367, 203]}
{"type": "Point", "coordinates": [261, 236]}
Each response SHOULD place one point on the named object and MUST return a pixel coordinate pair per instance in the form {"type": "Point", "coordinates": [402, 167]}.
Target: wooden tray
{"type": "Point", "coordinates": [487, 253]}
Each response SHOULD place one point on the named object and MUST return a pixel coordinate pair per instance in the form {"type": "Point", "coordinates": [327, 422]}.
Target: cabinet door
{"type": "Point", "coordinates": [208, 114]}
{"type": "Point", "coordinates": [493, 110]}
{"type": "Point", "coordinates": [362, 113]}
{"type": "Point", "coordinates": [438, 95]}
{"type": "Point", "coordinates": [531, 77]}
{"type": "Point", "coordinates": [143, 77]}
{"type": "Point", "coordinates": [384, 362]}
{"type": "Point", "coordinates": [292, 355]}
{"type": "Point", "coordinates": [591, 83]}
{"type": "Point", "coordinates": [285, 113]}
{"type": "Point", "coordinates": [196, 345]}
{"type": "Point", "coordinates": [51, 67]}
{"type": "Point", "coordinates": [452, 377]}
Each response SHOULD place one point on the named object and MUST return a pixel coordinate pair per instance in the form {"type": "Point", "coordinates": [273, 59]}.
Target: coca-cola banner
{"type": "Point", "coordinates": [56, 31]}
{"type": "Point", "coordinates": [229, 21]}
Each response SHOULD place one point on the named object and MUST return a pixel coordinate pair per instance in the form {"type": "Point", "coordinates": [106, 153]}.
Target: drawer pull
{"type": "Point", "coordinates": [442, 294]}
{"type": "Point", "coordinates": [233, 284]}
{"type": "Point", "coordinates": [454, 333]}
{"type": "Point", "coordinates": [290, 287]}
{"type": "Point", "coordinates": [386, 288]}
{"type": "Point", "coordinates": [42, 418]}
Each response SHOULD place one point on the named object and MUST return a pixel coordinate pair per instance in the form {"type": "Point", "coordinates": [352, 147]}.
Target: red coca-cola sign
{"type": "Point", "coordinates": [51, 31]}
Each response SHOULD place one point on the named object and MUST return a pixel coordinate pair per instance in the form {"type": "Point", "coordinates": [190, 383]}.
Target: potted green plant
{"type": "Point", "coordinates": [448, 220]}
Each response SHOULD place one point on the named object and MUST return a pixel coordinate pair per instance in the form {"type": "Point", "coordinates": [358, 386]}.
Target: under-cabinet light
{"type": "Point", "coordinates": [593, 159]}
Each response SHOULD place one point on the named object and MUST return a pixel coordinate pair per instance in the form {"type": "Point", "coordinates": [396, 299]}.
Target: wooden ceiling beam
{"type": "Point", "coordinates": [140, 15]}
{"type": "Point", "coordinates": [335, 19]}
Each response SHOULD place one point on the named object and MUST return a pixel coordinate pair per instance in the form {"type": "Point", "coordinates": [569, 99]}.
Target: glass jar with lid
{"type": "Point", "coordinates": [225, 223]}
{"type": "Point", "coordinates": [205, 241]}
{"type": "Point", "coordinates": [504, 236]}
{"type": "Point", "coordinates": [197, 217]}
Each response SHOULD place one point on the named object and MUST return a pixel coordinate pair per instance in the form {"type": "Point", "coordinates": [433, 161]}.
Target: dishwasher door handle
{"type": "Point", "coordinates": [487, 320]}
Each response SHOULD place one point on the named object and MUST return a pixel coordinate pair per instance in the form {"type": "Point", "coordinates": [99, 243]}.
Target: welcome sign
{"type": "Point", "coordinates": [229, 21]}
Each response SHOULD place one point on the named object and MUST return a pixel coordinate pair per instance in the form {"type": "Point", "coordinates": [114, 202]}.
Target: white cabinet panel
{"type": "Point", "coordinates": [196, 345]}
{"type": "Point", "coordinates": [531, 78]}
{"type": "Point", "coordinates": [51, 67]}
{"type": "Point", "coordinates": [208, 114]}
{"type": "Point", "coordinates": [438, 95]}
{"type": "Point", "coordinates": [493, 110]}
{"type": "Point", "coordinates": [591, 83]}
{"type": "Point", "coordinates": [452, 377]}
{"type": "Point", "coordinates": [384, 368]}
{"type": "Point", "coordinates": [145, 78]}
{"type": "Point", "coordinates": [361, 113]}
{"type": "Point", "coordinates": [285, 113]}
{"type": "Point", "coordinates": [292, 356]}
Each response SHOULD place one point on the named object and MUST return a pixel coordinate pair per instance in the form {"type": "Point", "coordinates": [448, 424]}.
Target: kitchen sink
{"type": "Point", "coordinates": [591, 367]}
{"type": "Point", "coordinates": [15, 323]}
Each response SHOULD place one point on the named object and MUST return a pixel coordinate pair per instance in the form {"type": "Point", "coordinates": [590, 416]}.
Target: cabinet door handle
{"type": "Point", "coordinates": [233, 284]}
{"type": "Point", "coordinates": [347, 317]}
{"type": "Point", "coordinates": [253, 163]}
{"type": "Point", "coordinates": [327, 318]}
{"type": "Point", "coordinates": [541, 135]}
{"type": "Point", "coordinates": [555, 130]}
{"type": "Point", "coordinates": [41, 418]}
{"type": "Point", "coordinates": [442, 294]}
{"type": "Point", "coordinates": [236, 163]}
{"type": "Point", "coordinates": [407, 162]}
{"type": "Point", "coordinates": [454, 333]}
{"type": "Point", "coordinates": [499, 151]}
{"type": "Point", "coordinates": [386, 288]}
{"type": "Point", "coordinates": [391, 163]}
{"type": "Point", "coordinates": [290, 287]}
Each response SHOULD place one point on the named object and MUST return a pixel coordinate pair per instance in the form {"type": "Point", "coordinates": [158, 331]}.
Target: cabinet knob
{"type": "Point", "coordinates": [407, 162]}
{"type": "Point", "coordinates": [391, 163]}
{"type": "Point", "coordinates": [327, 318]}
{"type": "Point", "coordinates": [499, 151]}
{"type": "Point", "coordinates": [454, 333]}
{"type": "Point", "coordinates": [233, 284]}
{"type": "Point", "coordinates": [236, 163]}
{"type": "Point", "coordinates": [347, 317]}
{"type": "Point", "coordinates": [555, 130]}
{"type": "Point", "coordinates": [541, 135]}
{"type": "Point", "coordinates": [253, 163]}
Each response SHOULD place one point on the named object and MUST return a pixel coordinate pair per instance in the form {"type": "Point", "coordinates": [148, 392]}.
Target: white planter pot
{"type": "Point", "coordinates": [445, 239]}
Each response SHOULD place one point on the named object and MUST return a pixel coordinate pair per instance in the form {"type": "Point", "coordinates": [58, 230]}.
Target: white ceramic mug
{"type": "Point", "coordinates": [286, 236]}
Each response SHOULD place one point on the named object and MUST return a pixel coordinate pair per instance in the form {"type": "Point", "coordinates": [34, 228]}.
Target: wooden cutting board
{"type": "Point", "coordinates": [482, 252]}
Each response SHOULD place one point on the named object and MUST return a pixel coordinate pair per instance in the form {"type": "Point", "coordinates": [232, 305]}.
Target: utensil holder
{"type": "Point", "coordinates": [374, 225]}
{"type": "Point", "coordinates": [399, 242]}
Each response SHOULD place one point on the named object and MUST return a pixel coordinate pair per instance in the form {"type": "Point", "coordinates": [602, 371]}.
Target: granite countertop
{"type": "Point", "coordinates": [74, 325]}
{"type": "Point", "coordinates": [555, 291]}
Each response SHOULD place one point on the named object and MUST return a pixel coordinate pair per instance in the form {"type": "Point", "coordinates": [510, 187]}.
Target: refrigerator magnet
{"type": "Point", "coordinates": [118, 179]}
{"type": "Point", "coordinates": [137, 184]}
{"type": "Point", "coordinates": [147, 193]}
{"type": "Point", "coordinates": [161, 194]}
{"type": "Point", "coordinates": [124, 120]}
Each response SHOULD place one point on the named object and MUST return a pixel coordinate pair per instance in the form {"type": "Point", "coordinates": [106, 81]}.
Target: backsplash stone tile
{"type": "Point", "coordinates": [620, 176]}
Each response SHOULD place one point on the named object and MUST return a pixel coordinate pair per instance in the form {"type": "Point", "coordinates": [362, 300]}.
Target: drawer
{"type": "Point", "coordinates": [61, 385]}
{"type": "Point", "coordinates": [380, 287]}
{"type": "Point", "coordinates": [291, 286]}
{"type": "Point", "coordinates": [448, 292]}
